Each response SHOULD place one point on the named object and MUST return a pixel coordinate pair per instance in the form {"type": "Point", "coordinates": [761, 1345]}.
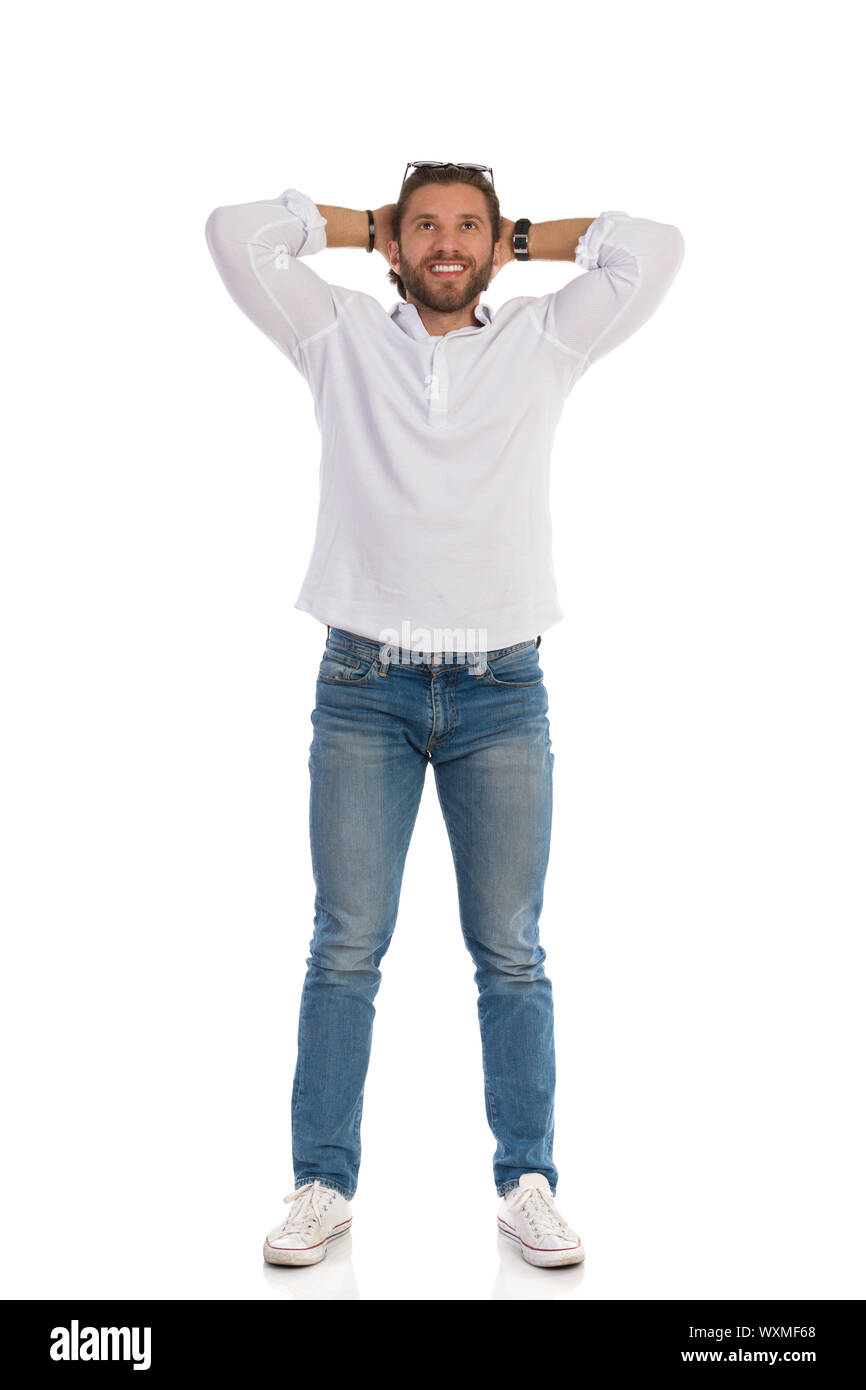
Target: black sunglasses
{"type": "Point", "coordinates": [446, 164]}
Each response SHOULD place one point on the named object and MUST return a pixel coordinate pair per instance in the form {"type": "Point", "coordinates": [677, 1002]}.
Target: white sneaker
{"type": "Point", "coordinates": [318, 1215]}
{"type": "Point", "coordinates": [528, 1217]}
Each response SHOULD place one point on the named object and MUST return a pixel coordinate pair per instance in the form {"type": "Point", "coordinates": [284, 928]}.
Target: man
{"type": "Point", "coordinates": [432, 569]}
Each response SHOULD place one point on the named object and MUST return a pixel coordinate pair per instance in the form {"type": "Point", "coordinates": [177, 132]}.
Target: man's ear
{"type": "Point", "coordinates": [497, 264]}
{"type": "Point", "coordinates": [394, 252]}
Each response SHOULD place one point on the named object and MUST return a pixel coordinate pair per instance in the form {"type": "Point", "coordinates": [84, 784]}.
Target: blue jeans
{"type": "Point", "coordinates": [381, 715]}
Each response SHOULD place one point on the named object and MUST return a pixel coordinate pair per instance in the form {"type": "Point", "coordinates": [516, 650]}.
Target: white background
{"type": "Point", "coordinates": [703, 918]}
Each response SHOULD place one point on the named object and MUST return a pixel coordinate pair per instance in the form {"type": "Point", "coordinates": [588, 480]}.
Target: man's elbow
{"type": "Point", "coordinates": [213, 228]}
{"type": "Point", "coordinates": [676, 247]}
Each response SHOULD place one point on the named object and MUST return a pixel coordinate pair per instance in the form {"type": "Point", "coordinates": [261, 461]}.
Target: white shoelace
{"type": "Point", "coordinates": [306, 1209]}
{"type": "Point", "coordinates": [541, 1211]}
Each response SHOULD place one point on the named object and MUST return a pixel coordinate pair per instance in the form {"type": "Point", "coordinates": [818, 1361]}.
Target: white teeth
{"type": "Point", "coordinates": [445, 267]}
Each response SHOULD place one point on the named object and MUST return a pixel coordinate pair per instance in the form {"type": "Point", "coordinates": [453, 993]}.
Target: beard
{"type": "Point", "coordinates": [441, 294]}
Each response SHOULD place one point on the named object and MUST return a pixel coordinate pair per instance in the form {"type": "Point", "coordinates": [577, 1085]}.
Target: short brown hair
{"type": "Point", "coordinates": [449, 174]}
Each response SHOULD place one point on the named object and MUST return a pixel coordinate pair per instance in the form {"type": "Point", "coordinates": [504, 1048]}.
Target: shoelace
{"type": "Point", "coordinates": [306, 1208]}
{"type": "Point", "coordinates": [542, 1212]}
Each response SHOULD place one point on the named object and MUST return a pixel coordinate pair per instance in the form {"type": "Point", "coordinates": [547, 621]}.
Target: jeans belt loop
{"type": "Point", "coordinates": [384, 658]}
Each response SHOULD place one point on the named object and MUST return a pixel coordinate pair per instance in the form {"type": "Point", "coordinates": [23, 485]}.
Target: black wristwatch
{"type": "Point", "coordinates": [521, 239]}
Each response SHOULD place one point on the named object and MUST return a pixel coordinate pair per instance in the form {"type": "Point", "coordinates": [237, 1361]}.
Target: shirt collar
{"type": "Point", "coordinates": [406, 316]}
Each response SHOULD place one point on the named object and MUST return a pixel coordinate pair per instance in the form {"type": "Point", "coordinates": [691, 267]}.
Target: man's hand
{"type": "Point", "coordinates": [506, 237]}
{"type": "Point", "coordinates": [384, 225]}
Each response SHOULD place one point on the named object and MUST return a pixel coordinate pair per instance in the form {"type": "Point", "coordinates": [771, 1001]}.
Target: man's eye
{"type": "Point", "coordinates": [467, 223]}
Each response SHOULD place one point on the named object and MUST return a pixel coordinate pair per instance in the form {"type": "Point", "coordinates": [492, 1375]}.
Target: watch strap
{"type": "Point", "coordinates": [521, 239]}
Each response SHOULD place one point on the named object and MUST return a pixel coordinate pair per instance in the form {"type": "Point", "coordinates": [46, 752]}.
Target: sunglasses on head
{"type": "Point", "coordinates": [446, 164]}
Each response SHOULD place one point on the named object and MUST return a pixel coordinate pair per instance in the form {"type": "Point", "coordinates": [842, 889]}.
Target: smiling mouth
{"type": "Point", "coordinates": [446, 274]}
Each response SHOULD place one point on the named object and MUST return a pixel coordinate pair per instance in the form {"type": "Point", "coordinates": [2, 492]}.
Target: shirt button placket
{"type": "Point", "coordinates": [436, 383]}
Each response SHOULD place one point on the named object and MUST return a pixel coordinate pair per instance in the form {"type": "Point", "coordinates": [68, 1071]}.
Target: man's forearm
{"type": "Point", "coordinates": [556, 241]}
{"type": "Point", "coordinates": [346, 226]}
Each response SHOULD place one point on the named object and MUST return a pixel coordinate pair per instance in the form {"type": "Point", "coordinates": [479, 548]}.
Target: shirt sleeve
{"type": "Point", "coordinates": [256, 248]}
{"type": "Point", "coordinates": [631, 264]}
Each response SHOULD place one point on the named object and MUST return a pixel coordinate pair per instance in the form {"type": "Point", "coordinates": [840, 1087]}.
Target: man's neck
{"type": "Point", "coordinates": [438, 324]}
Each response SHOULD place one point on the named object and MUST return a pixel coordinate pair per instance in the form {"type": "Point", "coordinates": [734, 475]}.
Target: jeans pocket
{"type": "Point", "coordinates": [343, 666]}
{"type": "Point", "coordinates": [518, 667]}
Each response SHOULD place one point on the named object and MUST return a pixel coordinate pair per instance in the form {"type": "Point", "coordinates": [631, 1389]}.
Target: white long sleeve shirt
{"type": "Point", "coordinates": [434, 528]}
